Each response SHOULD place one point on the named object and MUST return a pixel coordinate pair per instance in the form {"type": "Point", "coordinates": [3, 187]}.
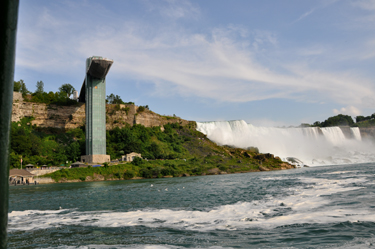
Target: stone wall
{"type": "Point", "coordinates": [40, 172]}
{"type": "Point", "coordinates": [69, 117]}
{"type": "Point", "coordinates": [44, 180]}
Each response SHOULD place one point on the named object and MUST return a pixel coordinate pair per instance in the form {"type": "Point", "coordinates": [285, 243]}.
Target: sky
{"type": "Point", "coordinates": [269, 62]}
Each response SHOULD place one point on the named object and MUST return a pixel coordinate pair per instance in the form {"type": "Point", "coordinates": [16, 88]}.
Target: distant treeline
{"type": "Point", "coordinates": [61, 97]}
{"type": "Point", "coordinates": [346, 120]}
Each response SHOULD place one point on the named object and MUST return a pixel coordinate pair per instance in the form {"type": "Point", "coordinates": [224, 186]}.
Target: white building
{"type": "Point", "coordinates": [130, 157]}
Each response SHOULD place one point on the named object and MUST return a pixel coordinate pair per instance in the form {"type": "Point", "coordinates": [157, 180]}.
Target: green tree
{"type": "Point", "coordinates": [68, 89]}
{"type": "Point", "coordinates": [137, 161]}
{"type": "Point", "coordinates": [338, 120]}
{"type": "Point", "coordinates": [39, 87]}
{"type": "Point", "coordinates": [317, 124]}
{"type": "Point", "coordinates": [17, 86]}
{"type": "Point", "coordinates": [114, 99]}
{"type": "Point", "coordinates": [20, 86]}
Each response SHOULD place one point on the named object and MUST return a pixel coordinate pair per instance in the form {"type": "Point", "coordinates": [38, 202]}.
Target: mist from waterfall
{"type": "Point", "coordinates": [314, 146]}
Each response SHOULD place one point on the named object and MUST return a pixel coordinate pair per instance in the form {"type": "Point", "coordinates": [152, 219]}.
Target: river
{"type": "Point", "coordinates": [316, 207]}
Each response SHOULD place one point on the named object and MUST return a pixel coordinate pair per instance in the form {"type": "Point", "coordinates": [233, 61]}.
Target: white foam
{"type": "Point", "coordinates": [302, 205]}
{"type": "Point", "coordinates": [338, 172]}
{"type": "Point", "coordinates": [312, 145]}
{"type": "Point", "coordinates": [136, 246]}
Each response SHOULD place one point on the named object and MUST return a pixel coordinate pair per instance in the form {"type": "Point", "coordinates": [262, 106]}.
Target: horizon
{"type": "Point", "coordinates": [267, 63]}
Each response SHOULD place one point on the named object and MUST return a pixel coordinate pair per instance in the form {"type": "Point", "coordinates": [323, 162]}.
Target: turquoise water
{"type": "Point", "coordinates": [320, 207]}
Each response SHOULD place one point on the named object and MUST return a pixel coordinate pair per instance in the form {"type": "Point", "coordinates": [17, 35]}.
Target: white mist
{"type": "Point", "coordinates": [312, 145]}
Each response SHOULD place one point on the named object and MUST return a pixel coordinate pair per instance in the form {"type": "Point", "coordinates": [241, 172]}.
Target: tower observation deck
{"type": "Point", "coordinates": [93, 95]}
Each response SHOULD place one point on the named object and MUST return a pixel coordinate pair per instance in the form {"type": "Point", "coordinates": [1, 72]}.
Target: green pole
{"type": "Point", "coordinates": [8, 29]}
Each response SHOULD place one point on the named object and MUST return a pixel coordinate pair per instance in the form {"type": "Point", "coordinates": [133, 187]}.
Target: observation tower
{"type": "Point", "coordinates": [93, 95]}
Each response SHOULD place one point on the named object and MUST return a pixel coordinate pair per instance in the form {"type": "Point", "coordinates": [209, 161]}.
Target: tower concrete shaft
{"type": "Point", "coordinates": [95, 94]}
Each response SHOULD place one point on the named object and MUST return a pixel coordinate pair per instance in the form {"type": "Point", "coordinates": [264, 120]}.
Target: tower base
{"type": "Point", "coordinates": [96, 159]}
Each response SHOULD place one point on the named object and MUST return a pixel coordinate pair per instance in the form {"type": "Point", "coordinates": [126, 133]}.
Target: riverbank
{"type": "Point", "coordinates": [236, 161]}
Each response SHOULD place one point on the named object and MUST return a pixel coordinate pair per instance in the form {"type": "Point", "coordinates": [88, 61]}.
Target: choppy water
{"type": "Point", "coordinates": [320, 207]}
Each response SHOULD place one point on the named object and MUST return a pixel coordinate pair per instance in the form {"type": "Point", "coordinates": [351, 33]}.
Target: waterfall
{"type": "Point", "coordinates": [356, 133]}
{"type": "Point", "coordinates": [334, 135]}
{"type": "Point", "coordinates": [312, 145]}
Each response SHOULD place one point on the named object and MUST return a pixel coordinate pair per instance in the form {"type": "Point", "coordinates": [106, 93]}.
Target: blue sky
{"type": "Point", "coordinates": [269, 62]}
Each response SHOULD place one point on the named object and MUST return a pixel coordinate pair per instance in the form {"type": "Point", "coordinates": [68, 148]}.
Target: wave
{"type": "Point", "coordinates": [298, 205]}
{"type": "Point", "coordinates": [133, 247]}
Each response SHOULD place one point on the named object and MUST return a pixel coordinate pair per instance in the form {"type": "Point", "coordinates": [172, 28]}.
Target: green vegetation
{"type": "Point", "coordinates": [178, 151]}
{"type": "Point", "coordinates": [231, 161]}
{"type": "Point", "coordinates": [338, 120]}
{"type": "Point", "coordinates": [20, 86]}
{"type": "Point", "coordinates": [68, 89]}
{"type": "Point", "coordinates": [142, 108]}
{"type": "Point", "coordinates": [345, 120]}
{"type": "Point", "coordinates": [39, 96]}
{"type": "Point", "coordinates": [114, 99]}
{"type": "Point", "coordinates": [152, 143]}
{"type": "Point", "coordinates": [44, 145]}
{"type": "Point", "coordinates": [368, 121]}
{"type": "Point", "coordinates": [170, 117]}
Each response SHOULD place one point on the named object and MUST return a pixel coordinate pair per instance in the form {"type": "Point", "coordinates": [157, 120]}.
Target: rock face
{"type": "Point", "coordinates": [69, 117]}
{"type": "Point", "coordinates": [368, 133]}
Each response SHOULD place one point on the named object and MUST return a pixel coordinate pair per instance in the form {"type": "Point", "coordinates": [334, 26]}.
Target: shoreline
{"type": "Point", "coordinates": [100, 178]}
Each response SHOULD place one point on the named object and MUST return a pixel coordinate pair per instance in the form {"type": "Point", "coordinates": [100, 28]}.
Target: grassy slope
{"type": "Point", "coordinates": [199, 157]}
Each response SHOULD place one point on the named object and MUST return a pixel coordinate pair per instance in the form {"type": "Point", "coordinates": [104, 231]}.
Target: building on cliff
{"type": "Point", "coordinates": [130, 157]}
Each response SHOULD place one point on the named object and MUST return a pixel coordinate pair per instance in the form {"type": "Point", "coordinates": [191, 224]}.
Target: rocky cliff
{"type": "Point", "coordinates": [368, 133]}
{"type": "Point", "coordinates": [69, 117]}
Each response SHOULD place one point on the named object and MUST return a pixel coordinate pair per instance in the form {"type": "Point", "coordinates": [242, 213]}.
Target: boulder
{"type": "Point", "coordinates": [214, 171]}
{"type": "Point", "coordinates": [261, 168]}
{"type": "Point", "coordinates": [287, 166]}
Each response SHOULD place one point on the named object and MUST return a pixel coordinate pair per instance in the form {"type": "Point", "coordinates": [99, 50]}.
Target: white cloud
{"type": "Point", "coordinates": [304, 15]}
{"type": "Point", "coordinates": [225, 65]}
{"type": "Point", "coordinates": [174, 8]}
{"type": "Point", "coordinates": [349, 110]}
{"type": "Point", "coordinates": [365, 4]}
{"type": "Point", "coordinates": [367, 17]}
{"type": "Point", "coordinates": [323, 4]}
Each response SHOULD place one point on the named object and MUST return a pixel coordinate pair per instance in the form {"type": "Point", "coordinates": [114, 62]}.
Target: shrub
{"type": "Point", "coordinates": [137, 161]}
{"type": "Point", "coordinates": [129, 174]}
{"type": "Point", "coordinates": [126, 109]}
{"type": "Point", "coordinates": [197, 170]}
{"type": "Point", "coordinates": [157, 172]}
{"type": "Point", "coordinates": [166, 172]}
{"type": "Point", "coordinates": [223, 167]}
{"type": "Point", "coordinates": [141, 109]}
{"type": "Point", "coordinates": [253, 149]}
{"type": "Point", "coordinates": [145, 172]}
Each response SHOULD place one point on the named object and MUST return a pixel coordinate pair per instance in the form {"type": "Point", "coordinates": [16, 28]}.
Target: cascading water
{"type": "Point", "coordinates": [356, 133]}
{"type": "Point", "coordinates": [312, 145]}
